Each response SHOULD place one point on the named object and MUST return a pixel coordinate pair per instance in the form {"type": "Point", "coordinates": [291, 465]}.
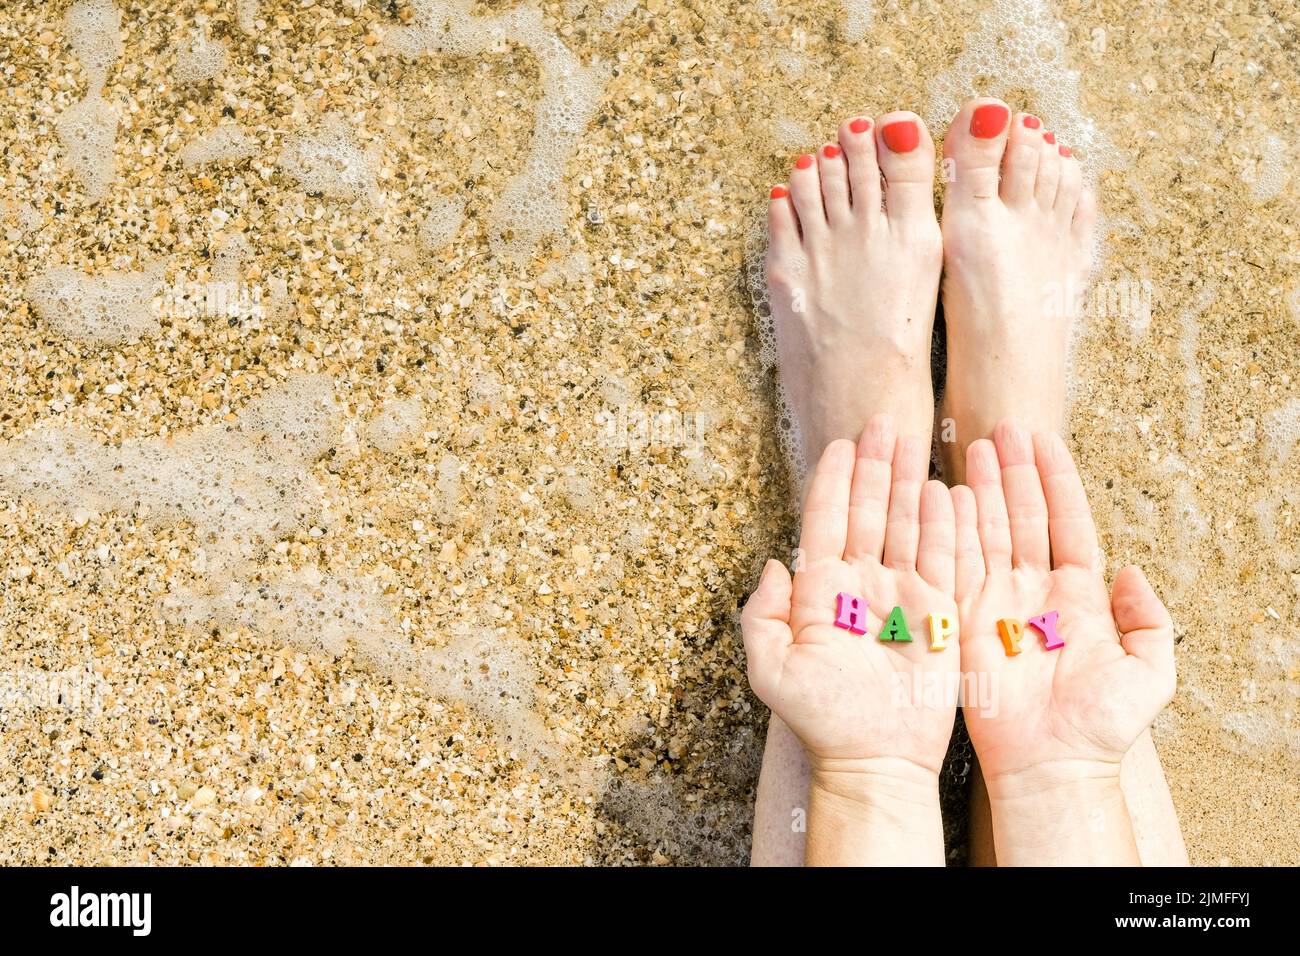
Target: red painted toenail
{"type": "Point", "coordinates": [1050, 137]}
{"type": "Point", "coordinates": [803, 162]}
{"type": "Point", "coordinates": [830, 152]}
{"type": "Point", "coordinates": [988, 120]}
{"type": "Point", "coordinates": [779, 192]}
{"type": "Point", "coordinates": [860, 125]}
{"type": "Point", "coordinates": [901, 137]}
{"type": "Point", "coordinates": [1065, 151]}
{"type": "Point", "coordinates": [1033, 122]}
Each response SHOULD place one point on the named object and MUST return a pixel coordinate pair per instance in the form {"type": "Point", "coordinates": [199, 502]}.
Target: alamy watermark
{"type": "Point", "coordinates": [646, 429]}
{"type": "Point", "coordinates": [77, 690]}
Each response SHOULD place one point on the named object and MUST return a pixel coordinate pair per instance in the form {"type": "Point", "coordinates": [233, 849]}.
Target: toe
{"type": "Point", "coordinates": [906, 154]}
{"type": "Point", "coordinates": [1049, 172]}
{"type": "Point", "coordinates": [782, 229]}
{"type": "Point", "coordinates": [1085, 217]}
{"type": "Point", "coordinates": [834, 174]}
{"type": "Point", "coordinates": [1020, 162]}
{"type": "Point", "coordinates": [1069, 188]}
{"type": "Point", "coordinates": [975, 143]}
{"type": "Point", "coordinates": [864, 172]}
{"type": "Point", "coordinates": [806, 192]}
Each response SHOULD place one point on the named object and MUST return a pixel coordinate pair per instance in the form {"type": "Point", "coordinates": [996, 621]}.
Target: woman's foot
{"type": "Point", "coordinates": [1017, 244]}
{"type": "Point", "coordinates": [854, 254]}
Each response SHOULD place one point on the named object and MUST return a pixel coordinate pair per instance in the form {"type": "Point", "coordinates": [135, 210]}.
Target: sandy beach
{"type": "Point", "coordinates": [388, 439]}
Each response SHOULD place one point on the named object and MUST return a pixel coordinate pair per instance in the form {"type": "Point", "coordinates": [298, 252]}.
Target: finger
{"type": "Point", "coordinates": [1026, 507]}
{"type": "Point", "coordinates": [1069, 517]}
{"type": "Point", "coordinates": [985, 480]}
{"type": "Point", "coordinates": [1146, 631]}
{"type": "Point", "coordinates": [936, 550]}
{"type": "Point", "coordinates": [969, 564]}
{"type": "Point", "coordinates": [826, 510]}
{"type": "Point", "coordinates": [902, 527]}
{"type": "Point", "coordinates": [1145, 627]}
{"type": "Point", "coordinates": [765, 627]}
{"type": "Point", "coordinates": [869, 495]}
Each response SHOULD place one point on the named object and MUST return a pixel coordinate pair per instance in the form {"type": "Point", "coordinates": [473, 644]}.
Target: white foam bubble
{"type": "Point", "coordinates": [201, 60]}
{"type": "Point", "coordinates": [442, 220]}
{"type": "Point", "coordinates": [88, 132]}
{"type": "Point", "coordinates": [858, 17]}
{"type": "Point", "coordinates": [327, 159]}
{"type": "Point", "coordinates": [246, 15]}
{"type": "Point", "coordinates": [448, 486]}
{"type": "Point", "coordinates": [791, 133]}
{"type": "Point", "coordinates": [1021, 45]}
{"type": "Point", "coordinates": [339, 612]}
{"type": "Point", "coordinates": [106, 309]}
{"type": "Point", "coordinates": [242, 484]}
{"type": "Point", "coordinates": [1263, 714]}
{"type": "Point", "coordinates": [245, 485]}
{"type": "Point", "coordinates": [305, 609]}
{"type": "Point", "coordinates": [615, 12]}
{"type": "Point", "coordinates": [399, 422]}
{"type": "Point", "coordinates": [532, 205]}
{"type": "Point", "coordinates": [1189, 333]}
{"type": "Point", "coordinates": [791, 62]}
{"type": "Point", "coordinates": [94, 28]}
{"type": "Point", "coordinates": [1273, 169]}
{"type": "Point", "coordinates": [227, 143]}
{"type": "Point", "coordinates": [490, 672]}
{"type": "Point", "coordinates": [1282, 427]}
{"type": "Point", "coordinates": [789, 437]}
{"type": "Point", "coordinates": [232, 254]}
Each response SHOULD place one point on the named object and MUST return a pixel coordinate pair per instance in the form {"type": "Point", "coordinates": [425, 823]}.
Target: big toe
{"type": "Point", "coordinates": [974, 146]}
{"type": "Point", "coordinates": [906, 154]}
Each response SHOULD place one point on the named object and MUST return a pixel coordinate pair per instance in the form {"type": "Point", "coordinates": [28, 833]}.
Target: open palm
{"type": "Point", "coordinates": [876, 529]}
{"type": "Point", "coordinates": [1026, 545]}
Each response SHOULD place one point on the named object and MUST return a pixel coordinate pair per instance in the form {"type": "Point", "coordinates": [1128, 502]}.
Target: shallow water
{"type": "Point", "coordinates": [401, 528]}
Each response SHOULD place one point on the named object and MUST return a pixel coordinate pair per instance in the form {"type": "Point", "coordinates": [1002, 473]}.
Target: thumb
{"type": "Point", "coordinates": [1146, 630]}
{"type": "Point", "coordinates": [765, 626]}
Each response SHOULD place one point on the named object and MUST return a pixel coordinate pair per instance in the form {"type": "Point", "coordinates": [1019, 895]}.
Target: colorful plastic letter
{"type": "Point", "coordinates": [1010, 631]}
{"type": "Point", "coordinates": [941, 628]}
{"type": "Point", "coordinates": [1045, 623]}
{"type": "Point", "coordinates": [895, 628]}
{"type": "Point", "coordinates": [851, 613]}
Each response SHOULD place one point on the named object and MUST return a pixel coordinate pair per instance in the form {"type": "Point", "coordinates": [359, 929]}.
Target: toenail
{"type": "Point", "coordinates": [860, 125]}
{"type": "Point", "coordinates": [988, 120]}
{"type": "Point", "coordinates": [1033, 122]}
{"type": "Point", "coordinates": [830, 151]}
{"type": "Point", "coordinates": [901, 137]}
{"type": "Point", "coordinates": [1050, 137]}
{"type": "Point", "coordinates": [779, 192]}
{"type": "Point", "coordinates": [803, 162]}
{"type": "Point", "coordinates": [1065, 151]}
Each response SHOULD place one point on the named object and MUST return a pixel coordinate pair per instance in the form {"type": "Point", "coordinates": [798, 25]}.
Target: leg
{"type": "Point", "coordinates": [1017, 234]}
{"type": "Point", "coordinates": [853, 271]}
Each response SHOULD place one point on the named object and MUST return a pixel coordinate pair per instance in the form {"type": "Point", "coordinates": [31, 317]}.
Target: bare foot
{"type": "Point", "coordinates": [1017, 243]}
{"type": "Point", "coordinates": [853, 261]}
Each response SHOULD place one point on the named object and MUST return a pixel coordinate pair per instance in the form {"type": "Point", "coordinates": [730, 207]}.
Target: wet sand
{"type": "Point", "coordinates": [427, 543]}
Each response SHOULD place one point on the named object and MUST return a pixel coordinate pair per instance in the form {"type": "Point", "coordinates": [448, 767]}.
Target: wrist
{"type": "Point", "coordinates": [872, 780]}
{"type": "Point", "coordinates": [1052, 780]}
{"type": "Point", "coordinates": [874, 812]}
{"type": "Point", "coordinates": [1061, 813]}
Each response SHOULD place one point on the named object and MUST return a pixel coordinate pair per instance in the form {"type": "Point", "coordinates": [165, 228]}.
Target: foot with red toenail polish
{"type": "Point", "coordinates": [853, 263]}
{"type": "Point", "coordinates": [1017, 238]}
